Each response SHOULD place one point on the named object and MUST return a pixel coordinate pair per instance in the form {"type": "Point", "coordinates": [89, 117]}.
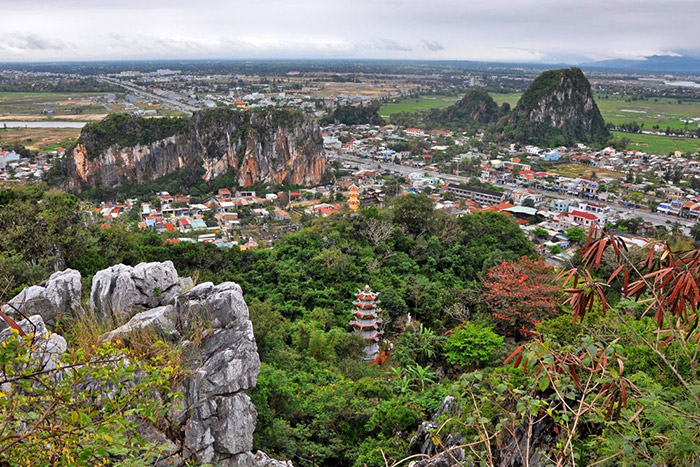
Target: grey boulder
{"type": "Point", "coordinates": [56, 297]}
{"type": "Point", "coordinates": [125, 290]}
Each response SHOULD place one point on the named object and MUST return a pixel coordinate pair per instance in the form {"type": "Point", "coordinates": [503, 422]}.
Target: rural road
{"type": "Point", "coordinates": [149, 95]}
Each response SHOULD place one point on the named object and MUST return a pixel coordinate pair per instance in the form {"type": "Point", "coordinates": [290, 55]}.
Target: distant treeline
{"type": "Point", "coordinates": [277, 67]}
{"type": "Point", "coordinates": [56, 85]}
{"type": "Point", "coordinates": [355, 115]}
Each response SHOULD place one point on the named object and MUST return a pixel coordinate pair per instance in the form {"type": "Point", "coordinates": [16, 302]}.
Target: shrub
{"type": "Point", "coordinates": [471, 345]}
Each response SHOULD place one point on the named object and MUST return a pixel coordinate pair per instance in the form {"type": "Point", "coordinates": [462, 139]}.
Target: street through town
{"type": "Point", "coordinates": [655, 218]}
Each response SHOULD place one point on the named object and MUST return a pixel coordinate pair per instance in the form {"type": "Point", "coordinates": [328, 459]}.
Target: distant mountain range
{"type": "Point", "coordinates": [652, 64]}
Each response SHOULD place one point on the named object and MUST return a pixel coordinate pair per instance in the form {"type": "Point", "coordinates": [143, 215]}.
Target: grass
{"type": "Point", "coordinates": [662, 111]}
{"type": "Point", "coordinates": [417, 104]}
{"type": "Point", "coordinates": [41, 139]}
{"type": "Point", "coordinates": [63, 103]}
{"type": "Point", "coordinates": [511, 98]}
{"type": "Point", "coordinates": [657, 144]}
{"type": "Point", "coordinates": [576, 170]}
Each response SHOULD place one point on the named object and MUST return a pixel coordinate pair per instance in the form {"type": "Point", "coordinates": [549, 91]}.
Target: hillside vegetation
{"type": "Point", "coordinates": [476, 294]}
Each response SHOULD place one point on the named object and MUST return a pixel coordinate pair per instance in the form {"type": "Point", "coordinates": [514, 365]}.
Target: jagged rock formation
{"type": "Point", "coordinates": [59, 296]}
{"type": "Point", "coordinates": [532, 443]}
{"type": "Point", "coordinates": [46, 346]}
{"type": "Point", "coordinates": [262, 146]}
{"type": "Point", "coordinates": [124, 289]}
{"type": "Point", "coordinates": [446, 455]}
{"type": "Point", "coordinates": [215, 421]}
{"type": "Point", "coordinates": [476, 107]}
{"type": "Point", "coordinates": [263, 460]}
{"type": "Point", "coordinates": [558, 108]}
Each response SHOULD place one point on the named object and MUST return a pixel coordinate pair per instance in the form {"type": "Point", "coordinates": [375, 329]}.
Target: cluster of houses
{"type": "Point", "coordinates": [226, 218]}
{"type": "Point", "coordinates": [17, 169]}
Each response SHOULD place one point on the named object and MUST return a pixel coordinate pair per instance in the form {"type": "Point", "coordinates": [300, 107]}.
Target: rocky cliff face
{"type": "Point", "coordinates": [214, 424]}
{"type": "Point", "coordinates": [266, 146]}
{"type": "Point", "coordinates": [558, 108]}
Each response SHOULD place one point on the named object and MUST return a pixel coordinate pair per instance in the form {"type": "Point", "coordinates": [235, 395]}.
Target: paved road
{"type": "Point", "coordinates": [655, 218]}
{"type": "Point", "coordinates": [149, 95]}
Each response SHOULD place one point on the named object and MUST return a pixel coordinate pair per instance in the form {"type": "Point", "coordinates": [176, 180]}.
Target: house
{"type": "Point", "coordinates": [249, 245]}
{"type": "Point", "coordinates": [672, 192]}
{"type": "Point", "coordinates": [224, 194]}
{"type": "Point", "coordinates": [198, 224]}
{"type": "Point", "coordinates": [522, 212]}
{"type": "Point", "coordinates": [478, 195]}
{"type": "Point", "coordinates": [281, 215]}
{"type": "Point", "coordinates": [552, 156]}
{"type": "Point", "coordinates": [560, 205]}
{"type": "Point", "coordinates": [184, 225]}
{"type": "Point", "coordinates": [584, 219]}
{"type": "Point", "coordinates": [415, 132]}
{"type": "Point", "coordinates": [325, 209]}
{"type": "Point", "coordinates": [145, 210]}
{"type": "Point", "coordinates": [227, 206]}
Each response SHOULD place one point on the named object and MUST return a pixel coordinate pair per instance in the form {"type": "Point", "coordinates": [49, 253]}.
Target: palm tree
{"type": "Point", "coordinates": [421, 376]}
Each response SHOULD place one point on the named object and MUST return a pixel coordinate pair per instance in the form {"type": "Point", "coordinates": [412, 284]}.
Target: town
{"type": "Point", "coordinates": [553, 193]}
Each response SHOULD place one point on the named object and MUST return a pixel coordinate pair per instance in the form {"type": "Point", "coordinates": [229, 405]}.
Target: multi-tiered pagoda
{"type": "Point", "coordinates": [354, 197]}
{"type": "Point", "coordinates": [367, 321]}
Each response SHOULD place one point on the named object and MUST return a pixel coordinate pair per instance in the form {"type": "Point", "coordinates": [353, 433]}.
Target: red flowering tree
{"type": "Point", "coordinates": [520, 294]}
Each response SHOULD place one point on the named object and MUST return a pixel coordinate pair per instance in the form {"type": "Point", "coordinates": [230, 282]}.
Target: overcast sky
{"type": "Point", "coordinates": [490, 30]}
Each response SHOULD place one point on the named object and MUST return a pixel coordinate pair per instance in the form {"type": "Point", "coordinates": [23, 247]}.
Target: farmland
{"type": "Point", "coordinates": [417, 104]}
{"type": "Point", "coordinates": [511, 98]}
{"type": "Point", "coordinates": [572, 170]}
{"type": "Point", "coordinates": [659, 144]}
{"type": "Point", "coordinates": [64, 105]}
{"type": "Point", "coordinates": [673, 113]}
{"type": "Point", "coordinates": [41, 139]}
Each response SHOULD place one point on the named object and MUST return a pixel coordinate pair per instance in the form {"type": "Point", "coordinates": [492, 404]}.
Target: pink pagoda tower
{"type": "Point", "coordinates": [367, 322]}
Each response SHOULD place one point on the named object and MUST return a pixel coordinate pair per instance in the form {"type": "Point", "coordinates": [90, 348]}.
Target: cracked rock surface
{"type": "Point", "coordinates": [125, 290]}
{"type": "Point", "coordinates": [217, 419]}
{"type": "Point", "coordinates": [56, 297]}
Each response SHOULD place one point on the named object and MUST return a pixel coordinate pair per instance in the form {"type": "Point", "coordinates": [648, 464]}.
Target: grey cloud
{"type": "Point", "coordinates": [32, 42]}
{"type": "Point", "coordinates": [456, 29]}
{"type": "Point", "coordinates": [391, 45]}
{"type": "Point", "coordinates": [433, 46]}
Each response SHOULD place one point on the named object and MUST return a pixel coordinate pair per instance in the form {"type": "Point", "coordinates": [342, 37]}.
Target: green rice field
{"type": "Point", "coordinates": [417, 104]}
{"type": "Point", "coordinates": [657, 144]}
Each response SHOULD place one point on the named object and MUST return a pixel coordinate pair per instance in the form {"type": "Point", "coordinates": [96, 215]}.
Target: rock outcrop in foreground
{"type": "Point", "coordinates": [216, 420]}
{"type": "Point", "coordinates": [261, 146]}
{"type": "Point", "coordinates": [57, 297]}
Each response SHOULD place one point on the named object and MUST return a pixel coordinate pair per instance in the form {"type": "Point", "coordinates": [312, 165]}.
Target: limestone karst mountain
{"type": "Point", "coordinates": [557, 109]}
{"type": "Point", "coordinates": [261, 146]}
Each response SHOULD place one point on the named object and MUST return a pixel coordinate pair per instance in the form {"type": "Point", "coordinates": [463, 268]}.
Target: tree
{"type": "Point", "coordinates": [471, 345]}
{"type": "Point", "coordinates": [519, 294]}
{"type": "Point", "coordinates": [414, 213]}
{"type": "Point", "coordinates": [576, 234]}
{"type": "Point", "coordinates": [209, 219]}
{"type": "Point", "coordinates": [393, 186]}
{"type": "Point", "coordinates": [529, 202]}
{"type": "Point", "coordinates": [539, 232]}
